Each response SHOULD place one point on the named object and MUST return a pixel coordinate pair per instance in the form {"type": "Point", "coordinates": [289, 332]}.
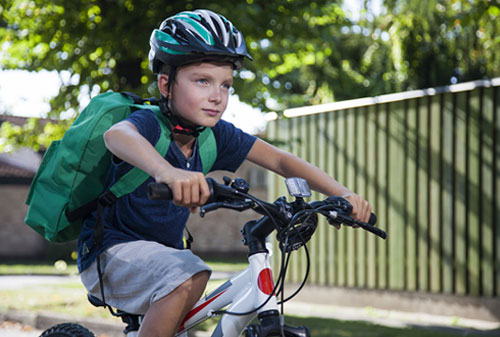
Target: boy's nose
{"type": "Point", "coordinates": [215, 95]}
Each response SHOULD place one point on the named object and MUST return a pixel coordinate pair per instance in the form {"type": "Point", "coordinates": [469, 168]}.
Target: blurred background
{"type": "Point", "coordinates": [397, 99]}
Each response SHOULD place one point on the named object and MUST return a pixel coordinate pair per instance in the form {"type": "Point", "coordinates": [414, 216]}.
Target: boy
{"type": "Point", "coordinates": [146, 271]}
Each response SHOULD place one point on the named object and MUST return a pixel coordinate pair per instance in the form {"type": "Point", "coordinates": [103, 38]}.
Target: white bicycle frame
{"type": "Point", "coordinates": [244, 292]}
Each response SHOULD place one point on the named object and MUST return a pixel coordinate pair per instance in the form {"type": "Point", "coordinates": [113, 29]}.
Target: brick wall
{"type": "Point", "coordinates": [17, 240]}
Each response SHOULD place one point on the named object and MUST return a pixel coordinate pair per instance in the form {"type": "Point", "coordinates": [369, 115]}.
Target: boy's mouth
{"type": "Point", "coordinates": [211, 112]}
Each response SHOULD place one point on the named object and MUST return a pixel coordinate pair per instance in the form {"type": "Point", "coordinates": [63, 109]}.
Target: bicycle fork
{"type": "Point", "coordinates": [270, 322]}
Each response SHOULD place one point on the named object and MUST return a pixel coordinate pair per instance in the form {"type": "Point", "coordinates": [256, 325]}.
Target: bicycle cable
{"type": "Point", "coordinates": [280, 275]}
{"type": "Point", "coordinates": [273, 292]}
{"type": "Point", "coordinates": [308, 262]}
{"type": "Point", "coordinates": [285, 258]}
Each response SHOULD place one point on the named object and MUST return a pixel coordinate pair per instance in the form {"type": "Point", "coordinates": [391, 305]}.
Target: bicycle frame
{"type": "Point", "coordinates": [244, 292]}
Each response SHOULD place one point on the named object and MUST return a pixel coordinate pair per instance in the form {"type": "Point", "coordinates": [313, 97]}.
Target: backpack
{"type": "Point", "coordinates": [70, 182]}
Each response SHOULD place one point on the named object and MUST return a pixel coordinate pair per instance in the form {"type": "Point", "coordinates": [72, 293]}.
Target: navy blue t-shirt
{"type": "Point", "coordinates": [135, 217]}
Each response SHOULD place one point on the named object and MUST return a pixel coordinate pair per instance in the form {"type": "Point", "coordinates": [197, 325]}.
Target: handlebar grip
{"type": "Point", "coordinates": [159, 191]}
{"type": "Point", "coordinates": [373, 219]}
{"type": "Point", "coordinates": [370, 227]}
{"type": "Point", "coordinates": [375, 230]}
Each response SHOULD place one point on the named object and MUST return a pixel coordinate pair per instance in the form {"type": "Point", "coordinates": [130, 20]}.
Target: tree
{"type": "Point", "coordinates": [305, 52]}
{"type": "Point", "coordinates": [285, 37]}
{"type": "Point", "coordinates": [440, 42]}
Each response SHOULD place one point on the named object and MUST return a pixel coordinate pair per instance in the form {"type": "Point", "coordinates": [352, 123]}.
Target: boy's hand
{"type": "Point", "coordinates": [189, 189]}
{"type": "Point", "coordinates": [361, 209]}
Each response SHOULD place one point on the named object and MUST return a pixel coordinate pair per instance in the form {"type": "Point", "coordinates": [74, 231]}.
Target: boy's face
{"type": "Point", "coordinates": [200, 92]}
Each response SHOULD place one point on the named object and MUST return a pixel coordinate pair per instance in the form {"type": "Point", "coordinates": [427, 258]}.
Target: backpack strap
{"type": "Point", "coordinates": [135, 177]}
{"type": "Point", "coordinates": [208, 149]}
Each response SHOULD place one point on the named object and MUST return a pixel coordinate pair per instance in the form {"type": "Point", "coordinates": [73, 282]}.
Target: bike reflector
{"type": "Point", "coordinates": [298, 187]}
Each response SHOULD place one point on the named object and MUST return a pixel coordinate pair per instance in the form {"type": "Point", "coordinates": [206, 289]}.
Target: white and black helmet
{"type": "Point", "coordinates": [193, 36]}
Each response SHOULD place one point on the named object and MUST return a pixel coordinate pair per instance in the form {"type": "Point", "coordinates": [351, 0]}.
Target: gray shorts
{"type": "Point", "coordinates": [138, 273]}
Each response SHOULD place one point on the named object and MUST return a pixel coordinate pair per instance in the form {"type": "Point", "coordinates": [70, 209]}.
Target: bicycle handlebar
{"type": "Point", "coordinates": [160, 191]}
{"type": "Point", "coordinates": [233, 195]}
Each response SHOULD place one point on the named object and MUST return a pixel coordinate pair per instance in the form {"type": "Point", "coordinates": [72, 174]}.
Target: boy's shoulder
{"type": "Point", "coordinates": [224, 126]}
{"type": "Point", "coordinates": [147, 123]}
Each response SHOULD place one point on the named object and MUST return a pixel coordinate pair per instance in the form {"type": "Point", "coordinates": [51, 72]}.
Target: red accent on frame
{"type": "Point", "coordinates": [196, 310]}
{"type": "Point", "coordinates": [265, 281]}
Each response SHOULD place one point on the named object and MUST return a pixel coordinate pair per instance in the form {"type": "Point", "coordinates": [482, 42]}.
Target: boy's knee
{"type": "Point", "coordinates": [200, 279]}
{"type": "Point", "coordinates": [203, 276]}
{"type": "Point", "coordinates": [197, 281]}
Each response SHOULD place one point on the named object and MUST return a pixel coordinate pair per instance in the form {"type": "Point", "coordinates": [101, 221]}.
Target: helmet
{"type": "Point", "coordinates": [194, 36]}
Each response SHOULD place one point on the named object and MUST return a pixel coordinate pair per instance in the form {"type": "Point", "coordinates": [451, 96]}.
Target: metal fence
{"type": "Point", "coordinates": [429, 163]}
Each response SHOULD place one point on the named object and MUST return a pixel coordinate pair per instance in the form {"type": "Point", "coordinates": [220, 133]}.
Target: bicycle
{"type": "Point", "coordinates": [252, 291]}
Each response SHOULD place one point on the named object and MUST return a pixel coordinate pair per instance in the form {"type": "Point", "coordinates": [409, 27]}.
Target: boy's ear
{"type": "Point", "coordinates": [163, 84]}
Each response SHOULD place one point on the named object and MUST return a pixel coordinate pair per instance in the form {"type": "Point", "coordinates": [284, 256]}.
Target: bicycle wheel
{"type": "Point", "coordinates": [67, 330]}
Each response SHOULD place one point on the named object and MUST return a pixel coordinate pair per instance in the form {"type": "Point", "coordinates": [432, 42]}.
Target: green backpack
{"type": "Point", "coordinates": [71, 177]}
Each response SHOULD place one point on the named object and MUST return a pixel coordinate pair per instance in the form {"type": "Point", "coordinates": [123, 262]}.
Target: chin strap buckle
{"type": "Point", "coordinates": [177, 128]}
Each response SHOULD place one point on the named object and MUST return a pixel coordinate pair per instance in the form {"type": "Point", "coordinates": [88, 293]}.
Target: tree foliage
{"type": "Point", "coordinates": [441, 42]}
{"type": "Point", "coordinates": [305, 52]}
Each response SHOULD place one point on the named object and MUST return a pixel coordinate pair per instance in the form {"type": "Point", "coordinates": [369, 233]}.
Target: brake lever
{"type": "Point", "coordinates": [336, 219]}
{"type": "Point", "coordinates": [240, 206]}
{"type": "Point", "coordinates": [209, 207]}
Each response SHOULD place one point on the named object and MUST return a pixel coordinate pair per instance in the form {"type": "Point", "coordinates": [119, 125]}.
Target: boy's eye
{"type": "Point", "coordinates": [202, 81]}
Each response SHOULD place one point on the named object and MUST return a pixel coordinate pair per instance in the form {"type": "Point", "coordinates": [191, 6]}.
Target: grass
{"type": "Point", "coordinates": [61, 267]}
{"type": "Point", "coordinates": [69, 297]}
{"type": "Point", "coordinates": [320, 327]}
{"type": "Point", "coordinates": [30, 268]}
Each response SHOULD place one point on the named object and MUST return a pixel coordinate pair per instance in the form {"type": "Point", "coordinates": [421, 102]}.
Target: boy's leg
{"type": "Point", "coordinates": [164, 316]}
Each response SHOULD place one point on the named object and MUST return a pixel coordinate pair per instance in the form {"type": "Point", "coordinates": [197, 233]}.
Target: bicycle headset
{"type": "Point", "coordinates": [189, 37]}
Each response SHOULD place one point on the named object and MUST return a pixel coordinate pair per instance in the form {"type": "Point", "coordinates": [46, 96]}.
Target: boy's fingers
{"type": "Point", "coordinates": [189, 189]}
{"type": "Point", "coordinates": [176, 192]}
{"type": "Point", "coordinates": [186, 193]}
{"type": "Point", "coordinates": [204, 191]}
{"type": "Point", "coordinates": [361, 209]}
{"type": "Point", "coordinates": [195, 194]}
{"type": "Point", "coordinates": [365, 211]}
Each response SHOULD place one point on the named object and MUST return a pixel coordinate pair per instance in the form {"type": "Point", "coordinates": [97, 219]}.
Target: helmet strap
{"type": "Point", "coordinates": [178, 125]}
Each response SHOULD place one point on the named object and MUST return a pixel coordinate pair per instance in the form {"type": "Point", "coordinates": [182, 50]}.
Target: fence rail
{"type": "Point", "coordinates": [429, 162]}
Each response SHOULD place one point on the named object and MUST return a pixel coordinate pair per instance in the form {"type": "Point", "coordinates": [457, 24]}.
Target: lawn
{"type": "Point", "coordinates": [61, 267]}
{"type": "Point", "coordinates": [58, 268]}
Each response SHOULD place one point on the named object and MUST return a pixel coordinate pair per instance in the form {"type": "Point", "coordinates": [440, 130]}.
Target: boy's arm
{"type": "Point", "coordinates": [124, 141]}
{"type": "Point", "coordinates": [289, 165]}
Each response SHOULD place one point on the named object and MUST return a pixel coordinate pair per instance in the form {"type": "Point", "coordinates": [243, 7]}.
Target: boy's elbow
{"type": "Point", "coordinates": [108, 136]}
{"type": "Point", "coordinates": [118, 131]}
{"type": "Point", "coordinates": [112, 135]}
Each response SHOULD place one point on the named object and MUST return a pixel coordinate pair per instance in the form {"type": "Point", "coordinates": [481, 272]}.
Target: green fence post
{"type": "Point", "coordinates": [411, 196]}
{"type": "Point", "coordinates": [371, 196]}
{"type": "Point", "coordinates": [473, 194]}
{"type": "Point", "coordinates": [435, 192]}
{"type": "Point", "coordinates": [487, 198]}
{"type": "Point", "coordinates": [447, 190]}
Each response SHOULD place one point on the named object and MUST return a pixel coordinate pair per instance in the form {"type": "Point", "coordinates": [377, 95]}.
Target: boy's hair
{"type": "Point", "coordinates": [164, 70]}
